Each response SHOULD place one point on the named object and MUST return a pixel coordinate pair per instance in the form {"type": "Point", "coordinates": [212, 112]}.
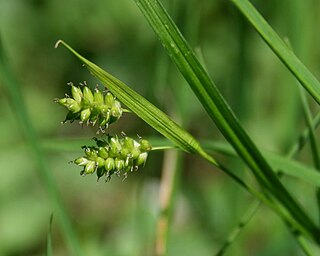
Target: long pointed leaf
{"type": "Point", "coordinates": [209, 96]}
{"type": "Point", "coordinates": [285, 54]}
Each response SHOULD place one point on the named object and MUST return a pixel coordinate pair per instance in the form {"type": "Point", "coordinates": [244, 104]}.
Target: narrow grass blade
{"type": "Point", "coordinates": [285, 165]}
{"type": "Point", "coordinates": [251, 211]}
{"type": "Point", "coordinates": [49, 237]}
{"type": "Point", "coordinates": [313, 142]}
{"type": "Point", "coordinates": [285, 54]}
{"type": "Point", "coordinates": [304, 137]}
{"type": "Point", "coordinates": [14, 91]}
{"type": "Point", "coordinates": [209, 96]}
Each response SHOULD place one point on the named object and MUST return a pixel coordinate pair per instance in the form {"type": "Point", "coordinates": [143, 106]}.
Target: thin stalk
{"type": "Point", "coordinates": [171, 167]}
{"type": "Point", "coordinates": [304, 137]}
{"type": "Point", "coordinates": [169, 178]}
{"type": "Point", "coordinates": [49, 237]}
{"type": "Point", "coordinates": [253, 208]}
{"type": "Point", "coordinates": [313, 143]}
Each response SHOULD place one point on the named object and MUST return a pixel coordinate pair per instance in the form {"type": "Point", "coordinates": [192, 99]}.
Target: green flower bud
{"type": "Point", "coordinates": [70, 104]}
{"type": "Point", "coordinates": [102, 152]}
{"type": "Point", "coordinates": [90, 167]}
{"type": "Point", "coordinates": [74, 107]}
{"type": "Point", "coordinates": [85, 114]}
{"type": "Point", "coordinates": [133, 146]}
{"type": "Point", "coordinates": [100, 161]}
{"type": "Point", "coordinates": [76, 93]}
{"type": "Point", "coordinates": [115, 147]}
{"type": "Point", "coordinates": [135, 153]}
{"type": "Point", "coordinates": [98, 97]}
{"type": "Point", "coordinates": [116, 109]}
{"type": "Point", "coordinates": [128, 143]}
{"type": "Point", "coordinates": [142, 158]}
{"type": "Point", "coordinates": [109, 100]}
{"type": "Point", "coordinates": [109, 164]}
{"type": "Point", "coordinates": [91, 153]}
{"type": "Point", "coordinates": [125, 153]}
{"type": "Point", "coordinates": [145, 145]}
{"type": "Point", "coordinates": [81, 161]}
{"type": "Point", "coordinates": [105, 111]}
{"type": "Point", "coordinates": [62, 102]}
{"type": "Point", "coordinates": [87, 96]}
{"type": "Point", "coordinates": [119, 164]}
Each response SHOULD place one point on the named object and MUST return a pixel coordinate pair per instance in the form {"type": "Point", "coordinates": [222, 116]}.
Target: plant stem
{"type": "Point", "coordinates": [169, 178]}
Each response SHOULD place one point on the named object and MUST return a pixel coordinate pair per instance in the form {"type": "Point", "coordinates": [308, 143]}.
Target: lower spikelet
{"type": "Point", "coordinates": [114, 156]}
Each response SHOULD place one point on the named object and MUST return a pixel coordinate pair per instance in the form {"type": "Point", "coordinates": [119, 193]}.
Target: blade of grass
{"type": "Point", "coordinates": [313, 143]}
{"type": "Point", "coordinates": [49, 237]}
{"type": "Point", "coordinates": [237, 230]}
{"type": "Point", "coordinates": [278, 162]}
{"type": "Point", "coordinates": [289, 59]}
{"type": "Point", "coordinates": [220, 112]}
{"type": "Point", "coordinates": [11, 85]}
{"type": "Point", "coordinates": [304, 136]}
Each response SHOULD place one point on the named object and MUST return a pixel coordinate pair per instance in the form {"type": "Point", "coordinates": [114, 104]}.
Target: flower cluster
{"type": "Point", "coordinates": [114, 155]}
{"type": "Point", "coordinates": [91, 107]}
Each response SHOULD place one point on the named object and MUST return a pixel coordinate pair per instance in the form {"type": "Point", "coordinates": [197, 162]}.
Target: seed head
{"type": "Point", "coordinates": [114, 155]}
{"type": "Point", "coordinates": [90, 107]}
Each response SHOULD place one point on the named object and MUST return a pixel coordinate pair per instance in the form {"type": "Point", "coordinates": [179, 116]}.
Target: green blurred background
{"type": "Point", "coordinates": [119, 218]}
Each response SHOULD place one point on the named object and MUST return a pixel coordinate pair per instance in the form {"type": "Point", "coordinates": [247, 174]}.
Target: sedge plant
{"type": "Point", "coordinates": [122, 155]}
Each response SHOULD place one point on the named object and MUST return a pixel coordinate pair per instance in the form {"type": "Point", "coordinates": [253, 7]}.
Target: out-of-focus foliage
{"type": "Point", "coordinates": [119, 218]}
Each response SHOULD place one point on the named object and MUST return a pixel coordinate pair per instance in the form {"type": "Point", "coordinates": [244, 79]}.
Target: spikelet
{"type": "Point", "coordinates": [91, 107]}
{"type": "Point", "coordinates": [114, 156]}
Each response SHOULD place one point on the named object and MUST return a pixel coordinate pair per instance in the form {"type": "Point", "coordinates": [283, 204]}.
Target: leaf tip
{"type": "Point", "coordinates": [58, 43]}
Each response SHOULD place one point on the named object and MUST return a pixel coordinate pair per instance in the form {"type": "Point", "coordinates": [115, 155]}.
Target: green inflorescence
{"type": "Point", "coordinates": [91, 107]}
{"type": "Point", "coordinates": [114, 156]}
{"type": "Point", "coordinates": [109, 156]}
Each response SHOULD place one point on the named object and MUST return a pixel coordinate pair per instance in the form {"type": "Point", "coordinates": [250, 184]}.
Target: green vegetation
{"type": "Point", "coordinates": [215, 104]}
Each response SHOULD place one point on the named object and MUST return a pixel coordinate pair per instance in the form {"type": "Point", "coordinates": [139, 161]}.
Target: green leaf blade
{"type": "Point", "coordinates": [209, 96]}
{"type": "Point", "coordinates": [285, 54]}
